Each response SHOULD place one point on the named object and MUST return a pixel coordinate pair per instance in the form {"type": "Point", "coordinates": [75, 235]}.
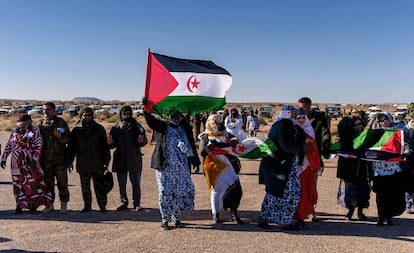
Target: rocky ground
{"type": "Point", "coordinates": [130, 231]}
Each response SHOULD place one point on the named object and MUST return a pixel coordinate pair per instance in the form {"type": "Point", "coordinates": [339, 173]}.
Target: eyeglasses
{"type": "Point", "coordinates": [357, 124]}
{"type": "Point", "coordinates": [383, 120]}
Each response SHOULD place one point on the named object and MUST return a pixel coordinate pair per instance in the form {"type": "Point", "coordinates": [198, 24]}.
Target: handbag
{"type": "Point", "coordinates": [340, 196]}
{"type": "Point", "coordinates": [108, 181]}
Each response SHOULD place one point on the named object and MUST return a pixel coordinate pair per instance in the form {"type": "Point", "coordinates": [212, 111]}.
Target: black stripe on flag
{"type": "Point", "coordinates": [185, 65]}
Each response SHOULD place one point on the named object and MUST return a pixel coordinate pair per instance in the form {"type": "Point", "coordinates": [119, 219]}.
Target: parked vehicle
{"type": "Point", "coordinates": [60, 109]}
{"type": "Point", "coordinates": [111, 109]}
{"type": "Point", "coordinates": [333, 111]}
{"type": "Point", "coordinates": [400, 112]}
{"type": "Point", "coordinates": [373, 111]}
{"type": "Point", "coordinates": [266, 111]}
{"type": "Point", "coordinates": [136, 110]}
{"type": "Point", "coordinates": [73, 110]}
{"type": "Point", "coordinates": [21, 109]}
{"type": "Point", "coordinates": [37, 110]}
{"type": "Point", "coordinates": [246, 108]}
{"type": "Point", "coordinates": [5, 110]}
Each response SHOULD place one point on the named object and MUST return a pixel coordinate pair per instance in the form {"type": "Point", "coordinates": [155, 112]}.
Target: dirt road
{"type": "Point", "coordinates": [130, 231]}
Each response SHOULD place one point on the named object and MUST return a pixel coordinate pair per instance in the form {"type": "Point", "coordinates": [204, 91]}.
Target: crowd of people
{"type": "Point", "coordinates": [44, 154]}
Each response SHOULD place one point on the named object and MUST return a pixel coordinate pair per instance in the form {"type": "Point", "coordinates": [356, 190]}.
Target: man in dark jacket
{"type": "Point", "coordinates": [127, 136]}
{"type": "Point", "coordinates": [89, 144]}
{"type": "Point", "coordinates": [55, 135]}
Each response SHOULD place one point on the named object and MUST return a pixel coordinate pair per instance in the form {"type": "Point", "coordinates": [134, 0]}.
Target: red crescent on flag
{"type": "Point", "coordinates": [193, 83]}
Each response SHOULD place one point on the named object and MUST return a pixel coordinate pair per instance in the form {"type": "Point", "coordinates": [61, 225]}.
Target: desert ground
{"type": "Point", "coordinates": [130, 231]}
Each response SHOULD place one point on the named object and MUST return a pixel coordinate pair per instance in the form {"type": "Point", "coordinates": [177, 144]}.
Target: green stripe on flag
{"type": "Point", "coordinates": [264, 149]}
{"type": "Point", "coordinates": [189, 104]}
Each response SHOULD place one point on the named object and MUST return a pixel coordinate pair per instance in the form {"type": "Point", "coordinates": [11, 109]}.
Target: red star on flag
{"type": "Point", "coordinates": [241, 149]}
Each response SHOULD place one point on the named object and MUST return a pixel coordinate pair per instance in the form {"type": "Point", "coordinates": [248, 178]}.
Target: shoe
{"type": "Point", "coordinates": [314, 219]}
{"type": "Point", "coordinates": [49, 208]}
{"type": "Point", "coordinates": [137, 208]}
{"type": "Point", "coordinates": [235, 217]}
{"type": "Point", "coordinates": [348, 216]}
{"type": "Point", "coordinates": [216, 218]}
{"type": "Point", "coordinates": [103, 210]}
{"type": "Point", "coordinates": [263, 224]}
{"type": "Point", "coordinates": [123, 206]}
{"type": "Point", "coordinates": [380, 222]}
{"type": "Point", "coordinates": [164, 225]}
{"type": "Point", "coordinates": [389, 222]}
{"type": "Point", "coordinates": [18, 210]}
{"type": "Point", "coordinates": [64, 207]}
{"type": "Point", "coordinates": [362, 216]}
{"type": "Point", "coordinates": [300, 224]}
{"type": "Point", "coordinates": [86, 209]}
{"type": "Point", "coordinates": [177, 223]}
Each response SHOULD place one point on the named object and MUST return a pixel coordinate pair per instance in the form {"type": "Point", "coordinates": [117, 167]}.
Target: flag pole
{"type": "Point", "coordinates": [147, 108]}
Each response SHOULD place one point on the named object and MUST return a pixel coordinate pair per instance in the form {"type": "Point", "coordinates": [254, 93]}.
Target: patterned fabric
{"type": "Point", "coordinates": [24, 146]}
{"type": "Point", "coordinates": [384, 168]}
{"type": "Point", "coordinates": [281, 210]}
{"type": "Point", "coordinates": [176, 190]}
{"type": "Point", "coordinates": [29, 188]}
{"type": "Point", "coordinates": [223, 183]}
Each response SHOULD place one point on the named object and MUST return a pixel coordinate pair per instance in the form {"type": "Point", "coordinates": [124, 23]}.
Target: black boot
{"type": "Point", "coordinates": [216, 218]}
{"type": "Point", "coordinates": [361, 215]}
{"type": "Point", "coordinates": [18, 210]}
{"type": "Point", "coordinates": [348, 216]}
{"type": "Point", "coordinates": [235, 217]}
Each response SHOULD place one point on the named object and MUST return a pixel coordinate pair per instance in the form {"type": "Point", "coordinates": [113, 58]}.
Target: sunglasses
{"type": "Point", "coordinates": [300, 117]}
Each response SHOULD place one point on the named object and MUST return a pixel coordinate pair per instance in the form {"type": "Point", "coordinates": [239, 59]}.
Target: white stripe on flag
{"type": "Point", "coordinates": [209, 85]}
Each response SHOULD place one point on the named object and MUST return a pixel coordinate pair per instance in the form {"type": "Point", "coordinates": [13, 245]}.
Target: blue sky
{"type": "Point", "coordinates": [277, 51]}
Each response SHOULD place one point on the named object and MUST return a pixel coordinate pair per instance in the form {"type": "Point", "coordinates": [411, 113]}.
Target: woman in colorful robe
{"type": "Point", "coordinates": [222, 180]}
{"type": "Point", "coordinates": [24, 146]}
{"type": "Point", "coordinates": [308, 165]}
{"type": "Point", "coordinates": [174, 145]}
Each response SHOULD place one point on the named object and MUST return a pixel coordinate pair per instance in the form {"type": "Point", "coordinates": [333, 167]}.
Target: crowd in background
{"type": "Point", "coordinates": [43, 154]}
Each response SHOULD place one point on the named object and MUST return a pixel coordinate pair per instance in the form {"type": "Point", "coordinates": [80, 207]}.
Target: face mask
{"type": "Point", "coordinates": [176, 121]}
{"type": "Point", "coordinates": [128, 119]}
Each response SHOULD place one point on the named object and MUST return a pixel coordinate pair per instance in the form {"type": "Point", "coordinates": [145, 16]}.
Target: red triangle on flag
{"type": "Point", "coordinates": [160, 83]}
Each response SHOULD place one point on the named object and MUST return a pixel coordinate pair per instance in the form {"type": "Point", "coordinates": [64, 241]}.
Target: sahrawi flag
{"type": "Point", "coordinates": [373, 144]}
{"type": "Point", "coordinates": [389, 146]}
{"type": "Point", "coordinates": [251, 148]}
{"type": "Point", "coordinates": [189, 86]}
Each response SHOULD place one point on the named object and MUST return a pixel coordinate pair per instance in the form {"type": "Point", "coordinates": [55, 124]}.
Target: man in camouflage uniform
{"type": "Point", "coordinates": [55, 135]}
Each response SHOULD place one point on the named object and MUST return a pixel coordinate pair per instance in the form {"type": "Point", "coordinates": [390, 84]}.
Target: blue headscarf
{"type": "Point", "coordinates": [393, 124]}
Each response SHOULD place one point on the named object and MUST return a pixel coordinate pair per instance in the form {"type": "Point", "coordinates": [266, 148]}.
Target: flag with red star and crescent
{"type": "Point", "coordinates": [189, 86]}
{"type": "Point", "coordinates": [252, 148]}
